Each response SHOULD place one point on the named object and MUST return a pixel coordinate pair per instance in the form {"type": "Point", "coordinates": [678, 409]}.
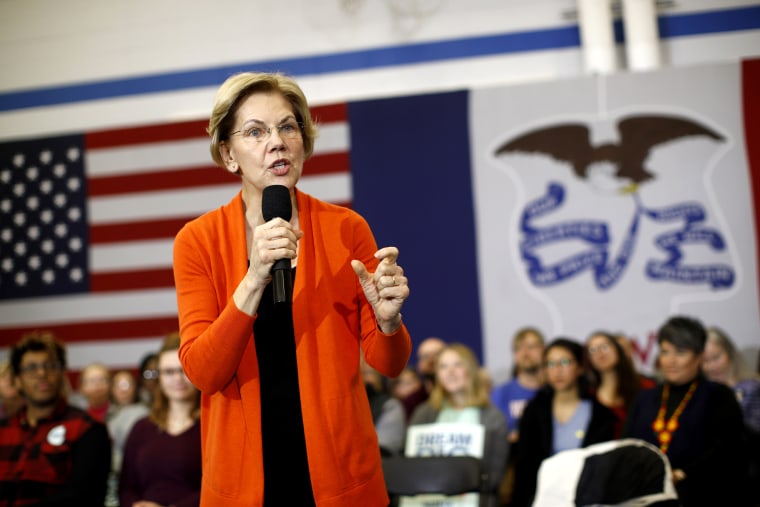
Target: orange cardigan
{"type": "Point", "coordinates": [332, 319]}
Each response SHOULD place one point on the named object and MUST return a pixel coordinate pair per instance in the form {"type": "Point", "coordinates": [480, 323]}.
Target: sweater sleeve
{"type": "Point", "coordinates": [214, 331]}
{"type": "Point", "coordinates": [496, 445]}
{"type": "Point", "coordinates": [387, 353]}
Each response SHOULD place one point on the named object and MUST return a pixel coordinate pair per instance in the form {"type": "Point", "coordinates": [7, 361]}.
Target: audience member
{"type": "Point", "coordinates": [427, 353]}
{"type": "Point", "coordinates": [459, 396]}
{"type": "Point", "coordinates": [723, 363]}
{"type": "Point", "coordinates": [95, 388]}
{"type": "Point", "coordinates": [387, 411]}
{"type": "Point", "coordinates": [615, 381]}
{"type": "Point", "coordinates": [124, 388]}
{"type": "Point", "coordinates": [512, 396]}
{"type": "Point", "coordinates": [126, 410]}
{"type": "Point", "coordinates": [406, 383]}
{"type": "Point", "coordinates": [147, 381]}
{"type": "Point", "coordinates": [409, 390]}
{"type": "Point", "coordinates": [51, 453]}
{"type": "Point", "coordinates": [10, 397]}
{"type": "Point", "coordinates": [162, 456]}
{"type": "Point", "coordinates": [695, 422]}
{"type": "Point", "coordinates": [563, 415]}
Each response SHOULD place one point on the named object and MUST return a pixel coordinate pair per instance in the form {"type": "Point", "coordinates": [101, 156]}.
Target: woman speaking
{"type": "Point", "coordinates": [284, 412]}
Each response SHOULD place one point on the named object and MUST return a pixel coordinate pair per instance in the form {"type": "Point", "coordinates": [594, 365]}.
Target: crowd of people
{"type": "Point", "coordinates": [132, 437]}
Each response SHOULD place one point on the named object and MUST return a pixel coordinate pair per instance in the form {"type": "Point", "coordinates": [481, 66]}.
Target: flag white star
{"type": "Point", "coordinates": [76, 275]}
{"type": "Point", "coordinates": [61, 230]}
{"type": "Point", "coordinates": [74, 184]}
{"type": "Point", "coordinates": [20, 278]}
{"type": "Point", "coordinates": [73, 154]}
{"type": "Point", "coordinates": [61, 260]}
{"type": "Point", "coordinates": [48, 276]}
{"type": "Point", "coordinates": [74, 214]}
{"type": "Point", "coordinates": [60, 200]}
{"type": "Point", "coordinates": [34, 262]}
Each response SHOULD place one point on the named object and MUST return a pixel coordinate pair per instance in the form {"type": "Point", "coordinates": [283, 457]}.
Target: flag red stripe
{"type": "Point", "coordinates": [132, 280]}
{"type": "Point", "coordinates": [159, 180]}
{"type": "Point", "coordinates": [97, 330]}
{"type": "Point", "coordinates": [185, 130]}
{"type": "Point", "coordinates": [330, 114]}
{"type": "Point", "coordinates": [147, 134]}
{"type": "Point", "coordinates": [327, 163]}
{"type": "Point", "coordinates": [751, 105]}
{"type": "Point", "coordinates": [136, 231]}
{"type": "Point", "coordinates": [197, 177]}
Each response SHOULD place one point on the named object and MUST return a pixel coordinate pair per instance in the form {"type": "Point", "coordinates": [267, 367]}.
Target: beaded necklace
{"type": "Point", "coordinates": [664, 430]}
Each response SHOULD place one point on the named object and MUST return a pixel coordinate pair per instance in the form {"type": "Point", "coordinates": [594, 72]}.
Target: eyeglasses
{"type": "Point", "coordinates": [562, 363]}
{"type": "Point", "coordinates": [260, 133]}
{"type": "Point", "coordinates": [165, 372]}
{"type": "Point", "coordinates": [32, 368]}
{"type": "Point", "coordinates": [602, 347]}
{"type": "Point", "coordinates": [150, 374]}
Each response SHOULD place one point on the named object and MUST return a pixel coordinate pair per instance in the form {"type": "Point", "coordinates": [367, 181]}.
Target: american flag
{"type": "Point", "coordinates": [88, 223]}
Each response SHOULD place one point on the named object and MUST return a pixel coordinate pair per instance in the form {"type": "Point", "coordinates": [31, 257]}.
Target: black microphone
{"type": "Point", "coordinates": [275, 202]}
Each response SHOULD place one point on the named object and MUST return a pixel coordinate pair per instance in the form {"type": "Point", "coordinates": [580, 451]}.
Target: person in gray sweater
{"type": "Point", "coordinates": [460, 396]}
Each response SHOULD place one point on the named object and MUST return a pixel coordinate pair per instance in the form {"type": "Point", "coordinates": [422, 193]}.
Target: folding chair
{"type": "Point", "coordinates": [446, 475]}
{"type": "Point", "coordinates": [623, 473]}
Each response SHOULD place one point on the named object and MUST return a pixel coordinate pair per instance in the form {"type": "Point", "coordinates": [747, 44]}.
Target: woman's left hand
{"type": "Point", "coordinates": [386, 288]}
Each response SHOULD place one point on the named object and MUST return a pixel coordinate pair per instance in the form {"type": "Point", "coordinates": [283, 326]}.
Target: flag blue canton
{"type": "Point", "coordinates": [43, 219]}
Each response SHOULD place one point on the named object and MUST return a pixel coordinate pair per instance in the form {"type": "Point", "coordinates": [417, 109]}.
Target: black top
{"type": "Point", "coordinates": [708, 444]}
{"type": "Point", "coordinates": [286, 468]}
{"type": "Point", "coordinates": [536, 440]}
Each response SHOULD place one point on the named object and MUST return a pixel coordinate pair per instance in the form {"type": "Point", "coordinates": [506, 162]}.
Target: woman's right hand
{"type": "Point", "coordinates": [272, 241]}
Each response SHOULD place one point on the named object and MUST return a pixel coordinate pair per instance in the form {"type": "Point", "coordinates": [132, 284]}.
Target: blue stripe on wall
{"type": "Point", "coordinates": [410, 165]}
{"type": "Point", "coordinates": [746, 18]}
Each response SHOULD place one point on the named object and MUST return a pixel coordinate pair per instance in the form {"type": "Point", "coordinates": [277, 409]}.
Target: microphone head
{"type": "Point", "coordinates": [275, 202]}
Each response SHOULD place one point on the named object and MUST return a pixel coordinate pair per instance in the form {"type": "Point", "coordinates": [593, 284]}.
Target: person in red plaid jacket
{"type": "Point", "coordinates": [51, 454]}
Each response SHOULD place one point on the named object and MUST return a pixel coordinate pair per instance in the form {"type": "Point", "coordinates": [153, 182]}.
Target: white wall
{"type": "Point", "coordinates": [49, 44]}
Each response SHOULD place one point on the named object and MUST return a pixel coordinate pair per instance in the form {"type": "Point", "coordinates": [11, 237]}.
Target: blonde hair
{"type": "Point", "coordinates": [739, 369]}
{"type": "Point", "coordinates": [477, 392]}
{"type": "Point", "coordinates": [160, 408]}
{"type": "Point", "coordinates": [240, 86]}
